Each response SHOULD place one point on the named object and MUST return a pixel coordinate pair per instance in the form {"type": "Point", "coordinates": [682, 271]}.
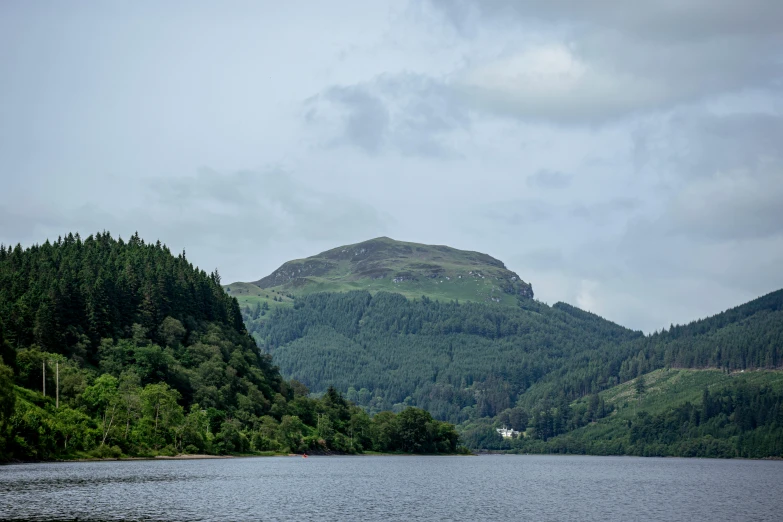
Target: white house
{"type": "Point", "coordinates": [507, 433]}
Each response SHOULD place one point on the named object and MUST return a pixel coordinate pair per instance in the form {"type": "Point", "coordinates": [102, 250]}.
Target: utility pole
{"type": "Point", "coordinates": [43, 364]}
{"type": "Point", "coordinates": [57, 385]}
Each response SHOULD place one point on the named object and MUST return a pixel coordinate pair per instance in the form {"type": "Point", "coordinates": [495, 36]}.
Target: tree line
{"type": "Point", "coordinates": [141, 353]}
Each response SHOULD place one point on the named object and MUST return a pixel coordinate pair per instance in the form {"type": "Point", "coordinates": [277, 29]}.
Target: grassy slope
{"type": "Point", "coordinates": [666, 389]}
{"type": "Point", "coordinates": [249, 294]}
{"type": "Point", "coordinates": [383, 264]}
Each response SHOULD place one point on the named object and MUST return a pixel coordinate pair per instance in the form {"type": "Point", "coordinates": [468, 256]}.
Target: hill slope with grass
{"type": "Point", "coordinates": [667, 412]}
{"type": "Point", "coordinates": [386, 265]}
{"type": "Point", "coordinates": [660, 406]}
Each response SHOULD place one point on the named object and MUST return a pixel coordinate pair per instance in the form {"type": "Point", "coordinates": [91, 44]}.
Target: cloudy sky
{"type": "Point", "coordinates": [625, 157]}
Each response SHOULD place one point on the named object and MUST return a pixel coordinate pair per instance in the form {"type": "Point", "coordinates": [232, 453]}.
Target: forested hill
{"type": "Point", "coordinates": [383, 264]}
{"type": "Point", "coordinates": [710, 388]}
{"type": "Point", "coordinates": [468, 361]}
{"type": "Point", "coordinates": [749, 336]}
{"type": "Point", "coordinates": [120, 348]}
{"type": "Point", "coordinates": [457, 360]}
{"type": "Point", "coordinates": [66, 296]}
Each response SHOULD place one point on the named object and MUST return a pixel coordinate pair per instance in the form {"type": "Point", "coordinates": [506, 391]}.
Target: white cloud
{"type": "Point", "coordinates": [550, 82]}
{"type": "Point", "coordinates": [600, 61]}
{"type": "Point", "coordinates": [585, 299]}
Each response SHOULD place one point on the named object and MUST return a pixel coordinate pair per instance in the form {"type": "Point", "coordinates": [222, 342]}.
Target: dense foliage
{"type": "Point", "coordinates": [737, 421]}
{"type": "Point", "coordinates": [69, 295]}
{"type": "Point", "coordinates": [487, 366]}
{"type": "Point", "coordinates": [458, 361]}
{"type": "Point", "coordinates": [746, 337]}
{"type": "Point", "coordinates": [111, 347]}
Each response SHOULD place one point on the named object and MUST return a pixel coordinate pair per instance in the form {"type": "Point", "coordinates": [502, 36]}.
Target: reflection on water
{"type": "Point", "coordinates": [396, 488]}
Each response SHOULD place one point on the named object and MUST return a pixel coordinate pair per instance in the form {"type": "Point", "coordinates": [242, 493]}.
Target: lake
{"type": "Point", "coordinates": [396, 488]}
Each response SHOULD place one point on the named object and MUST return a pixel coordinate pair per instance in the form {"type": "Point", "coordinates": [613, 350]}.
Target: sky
{"type": "Point", "coordinates": [623, 157]}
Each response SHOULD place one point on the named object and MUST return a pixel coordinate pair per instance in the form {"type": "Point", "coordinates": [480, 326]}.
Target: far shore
{"type": "Point", "coordinates": [366, 454]}
{"type": "Point", "coordinates": [186, 456]}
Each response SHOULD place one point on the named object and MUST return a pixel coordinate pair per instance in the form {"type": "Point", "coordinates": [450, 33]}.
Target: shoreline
{"type": "Point", "coordinates": [368, 454]}
{"type": "Point", "coordinates": [185, 456]}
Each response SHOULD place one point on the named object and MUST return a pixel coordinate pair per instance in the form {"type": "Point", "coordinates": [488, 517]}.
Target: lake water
{"type": "Point", "coordinates": [396, 488]}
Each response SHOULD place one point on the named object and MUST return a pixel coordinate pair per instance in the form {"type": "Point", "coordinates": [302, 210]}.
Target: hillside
{"type": "Point", "coordinates": [484, 366]}
{"type": "Point", "coordinates": [383, 264]}
{"type": "Point", "coordinates": [457, 360]}
{"type": "Point", "coordinates": [659, 407]}
{"type": "Point", "coordinates": [466, 360]}
{"type": "Point", "coordinates": [667, 412]}
{"type": "Point", "coordinates": [114, 348]}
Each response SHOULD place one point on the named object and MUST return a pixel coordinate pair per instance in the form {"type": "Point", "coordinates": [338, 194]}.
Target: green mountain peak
{"type": "Point", "coordinates": [385, 264]}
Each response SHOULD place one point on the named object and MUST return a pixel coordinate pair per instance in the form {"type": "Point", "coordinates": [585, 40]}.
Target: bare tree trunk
{"type": "Point", "coordinates": [157, 413]}
{"type": "Point", "coordinates": [127, 417]}
{"type": "Point", "coordinates": [107, 428]}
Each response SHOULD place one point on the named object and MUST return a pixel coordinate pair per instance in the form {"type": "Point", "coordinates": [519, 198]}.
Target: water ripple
{"type": "Point", "coordinates": [396, 488]}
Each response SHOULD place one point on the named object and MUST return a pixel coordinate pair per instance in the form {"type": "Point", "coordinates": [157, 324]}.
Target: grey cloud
{"type": "Point", "coordinates": [705, 276]}
{"type": "Point", "coordinates": [366, 119]}
{"type": "Point", "coordinates": [696, 143]}
{"type": "Point", "coordinates": [662, 20]}
{"type": "Point", "coordinates": [407, 113]}
{"type": "Point", "coordinates": [721, 175]}
{"type": "Point", "coordinates": [537, 212]}
{"type": "Point", "coordinates": [735, 205]}
{"type": "Point", "coordinates": [614, 59]}
{"type": "Point", "coordinates": [603, 211]}
{"type": "Point", "coordinates": [523, 212]}
{"type": "Point", "coordinates": [542, 259]}
{"type": "Point", "coordinates": [271, 201]}
{"type": "Point", "coordinates": [550, 179]}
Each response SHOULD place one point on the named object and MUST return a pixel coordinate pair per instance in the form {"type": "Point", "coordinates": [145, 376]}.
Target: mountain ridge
{"type": "Point", "coordinates": [385, 264]}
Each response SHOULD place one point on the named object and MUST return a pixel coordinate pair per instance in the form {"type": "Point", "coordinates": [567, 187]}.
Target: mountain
{"type": "Point", "coordinates": [482, 364]}
{"type": "Point", "coordinates": [113, 348]}
{"type": "Point", "coordinates": [386, 265]}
